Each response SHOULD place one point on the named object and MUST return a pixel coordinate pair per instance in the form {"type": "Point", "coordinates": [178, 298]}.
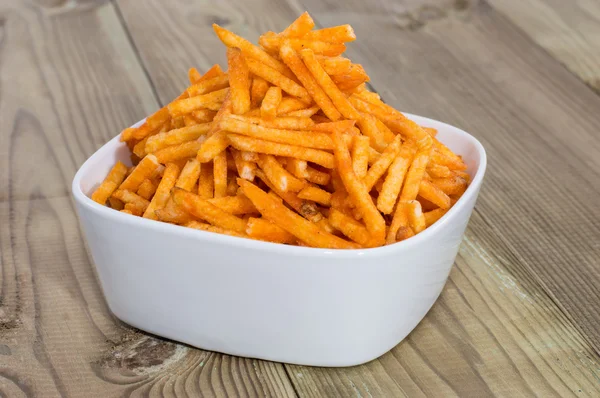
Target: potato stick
{"type": "Point", "coordinates": [335, 65]}
{"type": "Point", "coordinates": [302, 25]}
{"type": "Point", "coordinates": [232, 185]}
{"type": "Point", "coordinates": [329, 127]}
{"type": "Point", "coordinates": [173, 214]}
{"type": "Point", "coordinates": [254, 112]}
{"type": "Point", "coordinates": [316, 195]}
{"type": "Point", "coordinates": [294, 62]}
{"type": "Point", "coordinates": [248, 49]}
{"type": "Point", "coordinates": [356, 74]}
{"type": "Point", "coordinates": [239, 80]}
{"type": "Point", "coordinates": [280, 215]}
{"type": "Point", "coordinates": [112, 181]}
{"type": "Point", "coordinates": [368, 126]}
{"type": "Point", "coordinates": [373, 156]}
{"type": "Point", "coordinates": [211, 228]}
{"type": "Point", "coordinates": [399, 220]}
{"type": "Point", "coordinates": [280, 177]}
{"type": "Point", "coordinates": [194, 75]}
{"type": "Point", "coordinates": [431, 131]}
{"type": "Point", "coordinates": [206, 181]}
{"type": "Point", "coordinates": [188, 120]}
{"type": "Point", "coordinates": [177, 152]}
{"type": "Point", "coordinates": [213, 146]}
{"type": "Point", "coordinates": [450, 186]}
{"type": "Point", "coordinates": [177, 122]}
{"type": "Point", "coordinates": [297, 167]}
{"type": "Point", "coordinates": [146, 189]}
{"type": "Point", "coordinates": [308, 112]}
{"type": "Point", "coordinates": [259, 228]}
{"type": "Point", "coordinates": [349, 227]}
{"type": "Point", "coordinates": [189, 175]}
{"type": "Point", "coordinates": [143, 170]}
{"type": "Point", "coordinates": [207, 86]}
{"type": "Point", "coordinates": [203, 115]}
{"type": "Point", "coordinates": [127, 134]}
{"type": "Point", "coordinates": [337, 97]}
{"type": "Point", "coordinates": [139, 149]}
{"type": "Point", "coordinates": [410, 189]}
{"type": "Point", "coordinates": [163, 191]}
{"type": "Point", "coordinates": [415, 216]}
{"type": "Point", "coordinates": [438, 171]}
{"type": "Point", "coordinates": [432, 216]}
{"type": "Point", "coordinates": [220, 174]}
{"type": "Point", "coordinates": [207, 211]}
{"type": "Point", "coordinates": [382, 164]}
{"type": "Point", "coordinates": [369, 96]}
{"type": "Point", "coordinates": [450, 162]}
{"type": "Point", "coordinates": [358, 191]}
{"type": "Point", "coordinates": [286, 123]}
{"type": "Point", "coordinates": [213, 72]}
{"type": "Point", "coordinates": [153, 123]}
{"type": "Point", "coordinates": [463, 174]}
{"type": "Point", "coordinates": [388, 135]}
{"type": "Point", "coordinates": [130, 197]}
{"type": "Point", "coordinates": [310, 139]}
{"type": "Point", "coordinates": [360, 155]}
{"type": "Point", "coordinates": [435, 195]}
{"type": "Point", "coordinates": [258, 91]}
{"type": "Point", "coordinates": [268, 108]}
{"type": "Point", "coordinates": [319, 157]}
{"type": "Point", "coordinates": [388, 195]}
{"type": "Point", "coordinates": [184, 106]}
{"type": "Point", "coordinates": [115, 203]}
{"type": "Point", "coordinates": [245, 169]}
{"type": "Point", "coordinates": [135, 208]}
{"type": "Point", "coordinates": [317, 177]}
{"type": "Point", "coordinates": [126, 211]}
{"type": "Point", "coordinates": [249, 156]}
{"type": "Point", "coordinates": [272, 43]}
{"type": "Point", "coordinates": [278, 79]}
{"type": "Point", "coordinates": [274, 195]}
{"type": "Point", "coordinates": [290, 104]}
{"type": "Point", "coordinates": [176, 136]}
{"type": "Point", "coordinates": [236, 205]}
{"type": "Point", "coordinates": [334, 34]}
{"type": "Point", "coordinates": [443, 149]}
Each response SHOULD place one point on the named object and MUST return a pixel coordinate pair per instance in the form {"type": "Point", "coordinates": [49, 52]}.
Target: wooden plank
{"type": "Point", "coordinates": [569, 30]}
{"type": "Point", "coordinates": [70, 81]}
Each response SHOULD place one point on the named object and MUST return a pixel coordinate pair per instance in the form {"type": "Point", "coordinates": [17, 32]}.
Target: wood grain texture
{"type": "Point", "coordinates": [569, 30]}
{"type": "Point", "coordinates": [70, 81]}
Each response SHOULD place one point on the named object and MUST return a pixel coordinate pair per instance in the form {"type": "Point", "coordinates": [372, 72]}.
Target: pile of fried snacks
{"type": "Point", "coordinates": [288, 146]}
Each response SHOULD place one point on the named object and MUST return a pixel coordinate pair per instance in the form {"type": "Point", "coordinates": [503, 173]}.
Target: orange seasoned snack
{"type": "Point", "coordinates": [287, 146]}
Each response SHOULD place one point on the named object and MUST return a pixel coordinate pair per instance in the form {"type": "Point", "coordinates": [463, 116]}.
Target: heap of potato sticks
{"type": "Point", "coordinates": [288, 146]}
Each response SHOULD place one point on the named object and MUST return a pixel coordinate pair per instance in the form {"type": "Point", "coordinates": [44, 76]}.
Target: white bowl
{"type": "Point", "coordinates": [264, 300]}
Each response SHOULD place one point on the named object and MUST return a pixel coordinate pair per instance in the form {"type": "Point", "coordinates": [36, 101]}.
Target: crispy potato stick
{"type": "Point", "coordinates": [207, 86]}
{"type": "Point", "coordinates": [444, 150]}
{"type": "Point", "coordinates": [416, 172]}
{"type": "Point", "coordinates": [435, 195]}
{"type": "Point", "coordinates": [248, 49]}
{"type": "Point", "coordinates": [258, 91]}
{"type": "Point", "coordinates": [236, 205]}
{"type": "Point", "coordinates": [112, 181]}
{"type": "Point", "coordinates": [189, 121]}
{"type": "Point", "coordinates": [239, 80]}
{"type": "Point", "coordinates": [268, 108]}
{"type": "Point", "coordinates": [343, 126]}
{"type": "Point", "coordinates": [415, 216]}
{"type": "Point", "coordinates": [317, 177]}
{"type": "Point", "coordinates": [297, 167]}
{"type": "Point", "coordinates": [319, 157]}
{"type": "Point", "coordinates": [287, 123]}
{"type": "Point", "coordinates": [115, 203]}
{"type": "Point", "coordinates": [294, 62]}
{"type": "Point", "coordinates": [206, 182]}
{"type": "Point", "coordinates": [280, 215]}
{"type": "Point", "coordinates": [143, 170]}
{"type": "Point", "coordinates": [432, 216]}
{"type": "Point", "coordinates": [152, 124]}
{"type": "Point", "coordinates": [355, 76]}
{"type": "Point", "coordinates": [289, 104]}
{"type": "Point", "coordinates": [358, 191]}
{"type": "Point", "coordinates": [184, 106]}
{"type": "Point", "coordinates": [431, 131]}
{"type": "Point", "coordinates": [450, 162]}
{"type": "Point", "coordinates": [249, 156]}
{"type": "Point", "coordinates": [454, 185]}
{"type": "Point", "coordinates": [176, 136]}
{"type": "Point", "coordinates": [337, 97]}
{"type": "Point", "coordinates": [334, 34]}
{"type": "Point", "coordinates": [388, 195]}
{"type": "Point", "coordinates": [194, 75]}
{"type": "Point", "coordinates": [213, 146]}
{"type": "Point", "coordinates": [173, 214]}
{"type": "Point", "coordinates": [360, 155]}
{"type": "Point", "coordinates": [388, 135]}
{"type": "Point", "coordinates": [278, 79]}
{"type": "Point", "coordinates": [161, 196]}
{"type": "Point", "coordinates": [177, 122]}
{"type": "Point", "coordinates": [399, 220]}
{"type": "Point", "coordinates": [307, 112]}
{"type": "Point", "coordinates": [177, 152]}
{"type": "Point", "coordinates": [126, 211]}
{"type": "Point", "coordinates": [302, 25]}
{"type": "Point", "coordinates": [259, 228]}
{"type": "Point", "coordinates": [310, 139]}
{"type": "Point", "coordinates": [130, 197]}
{"type": "Point", "coordinates": [207, 211]}
{"type": "Point", "coordinates": [349, 227]}
{"type": "Point", "coordinates": [382, 164]}
{"type": "Point", "coordinates": [146, 189]}
{"type": "Point", "coordinates": [279, 177]}
{"type": "Point", "coordinates": [438, 171]}
{"type": "Point", "coordinates": [368, 126]}
{"type": "Point", "coordinates": [334, 65]}
{"type": "Point", "coordinates": [246, 169]}
{"type": "Point", "coordinates": [203, 115]}
{"type": "Point", "coordinates": [135, 208]}
{"type": "Point", "coordinates": [232, 185]}
{"type": "Point", "coordinates": [272, 43]}
{"type": "Point", "coordinates": [220, 174]}
{"type": "Point", "coordinates": [211, 228]}
{"type": "Point", "coordinates": [189, 175]}
{"type": "Point", "coordinates": [213, 72]}
{"type": "Point", "coordinates": [373, 156]}
{"type": "Point", "coordinates": [316, 195]}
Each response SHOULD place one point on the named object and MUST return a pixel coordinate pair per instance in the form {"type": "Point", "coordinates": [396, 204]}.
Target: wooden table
{"type": "Point", "coordinates": [520, 315]}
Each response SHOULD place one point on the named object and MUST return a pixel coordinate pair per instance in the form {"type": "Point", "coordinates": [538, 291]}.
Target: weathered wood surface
{"type": "Point", "coordinates": [519, 315]}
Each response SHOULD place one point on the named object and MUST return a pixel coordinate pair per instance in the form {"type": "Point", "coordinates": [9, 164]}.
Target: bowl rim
{"type": "Point", "coordinates": [211, 237]}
